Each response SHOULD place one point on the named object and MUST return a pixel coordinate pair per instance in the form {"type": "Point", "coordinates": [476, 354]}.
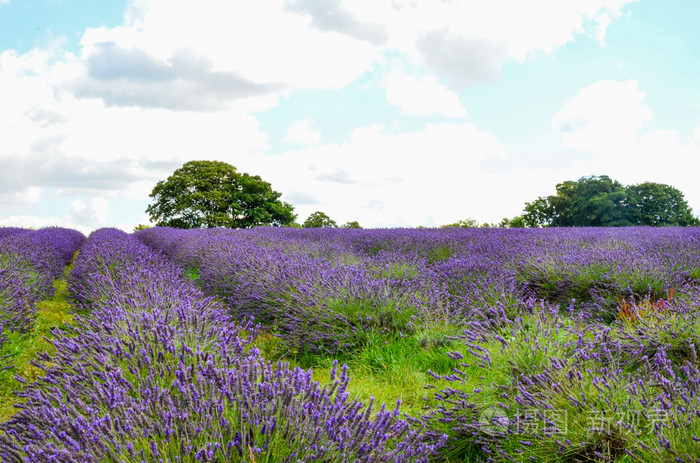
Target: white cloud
{"type": "Point", "coordinates": [329, 15]}
{"type": "Point", "coordinates": [27, 221]}
{"type": "Point", "coordinates": [27, 194]}
{"type": "Point", "coordinates": [465, 42]}
{"type": "Point", "coordinates": [36, 119]}
{"type": "Point", "coordinates": [302, 132]}
{"type": "Point", "coordinates": [181, 80]}
{"type": "Point", "coordinates": [244, 55]}
{"type": "Point", "coordinates": [94, 212]}
{"type": "Point", "coordinates": [299, 198]}
{"type": "Point", "coordinates": [603, 118]}
{"type": "Point", "coordinates": [84, 216]}
{"type": "Point", "coordinates": [609, 121]}
{"type": "Point", "coordinates": [423, 96]}
{"type": "Point", "coordinates": [385, 179]}
{"type": "Point", "coordinates": [604, 20]}
{"type": "Point", "coordinates": [51, 139]}
{"type": "Point", "coordinates": [259, 40]}
{"type": "Point", "coordinates": [234, 51]}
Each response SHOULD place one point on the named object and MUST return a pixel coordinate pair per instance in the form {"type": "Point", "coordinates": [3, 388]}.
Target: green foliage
{"type": "Point", "coordinates": [399, 270]}
{"type": "Point", "coordinates": [599, 201]}
{"type": "Point", "coordinates": [319, 220]}
{"type": "Point", "coordinates": [466, 223]}
{"type": "Point", "coordinates": [658, 204]}
{"type": "Point", "coordinates": [439, 253]}
{"type": "Point", "coordinates": [205, 194]}
{"type": "Point", "coordinates": [141, 226]}
{"type": "Point", "coordinates": [192, 274]}
{"type": "Point", "coordinates": [515, 222]}
{"type": "Point", "coordinates": [353, 224]}
{"type": "Point", "coordinates": [537, 213]}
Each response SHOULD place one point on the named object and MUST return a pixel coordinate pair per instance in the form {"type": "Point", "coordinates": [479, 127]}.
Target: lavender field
{"type": "Point", "coordinates": [332, 345]}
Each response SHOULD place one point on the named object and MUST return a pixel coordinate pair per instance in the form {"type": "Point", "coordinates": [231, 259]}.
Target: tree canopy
{"type": "Point", "coordinates": [465, 223]}
{"type": "Point", "coordinates": [319, 220]}
{"type": "Point", "coordinates": [205, 194]}
{"type": "Point", "coordinates": [599, 201]}
{"type": "Point", "coordinates": [657, 204]}
{"type": "Point", "coordinates": [351, 224]}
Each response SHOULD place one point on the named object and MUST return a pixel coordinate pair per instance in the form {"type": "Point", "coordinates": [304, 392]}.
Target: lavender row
{"type": "Point", "coordinates": [159, 372]}
{"type": "Point", "coordinates": [570, 391]}
{"type": "Point", "coordinates": [309, 282]}
{"type": "Point", "coordinates": [613, 377]}
{"type": "Point", "coordinates": [314, 304]}
{"type": "Point", "coordinates": [29, 263]}
{"type": "Point", "coordinates": [9, 231]}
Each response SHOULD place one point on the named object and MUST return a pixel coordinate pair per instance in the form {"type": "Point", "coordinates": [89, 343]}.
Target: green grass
{"type": "Point", "coordinates": [390, 369]}
{"type": "Point", "coordinates": [399, 270]}
{"type": "Point", "coordinates": [386, 368]}
{"type": "Point", "coordinates": [391, 364]}
{"type": "Point", "coordinates": [192, 274]}
{"type": "Point", "coordinates": [52, 314]}
{"type": "Point", "coordinates": [440, 253]}
{"type": "Point", "coordinates": [695, 274]}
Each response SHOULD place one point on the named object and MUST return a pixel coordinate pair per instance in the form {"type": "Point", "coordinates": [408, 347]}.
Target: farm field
{"type": "Point", "coordinates": [389, 345]}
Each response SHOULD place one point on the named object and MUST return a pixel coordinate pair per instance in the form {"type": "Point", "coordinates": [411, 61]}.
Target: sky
{"type": "Point", "coordinates": [392, 113]}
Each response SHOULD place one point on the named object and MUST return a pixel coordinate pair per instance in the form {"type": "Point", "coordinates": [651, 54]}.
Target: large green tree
{"type": "Point", "coordinates": [658, 204]}
{"type": "Point", "coordinates": [319, 220]}
{"type": "Point", "coordinates": [599, 201]}
{"type": "Point", "coordinates": [205, 194]}
{"type": "Point", "coordinates": [538, 213]}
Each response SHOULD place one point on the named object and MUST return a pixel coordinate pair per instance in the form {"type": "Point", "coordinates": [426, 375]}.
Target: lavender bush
{"type": "Point", "coordinates": [159, 372]}
{"type": "Point", "coordinates": [29, 263]}
{"type": "Point", "coordinates": [563, 390]}
{"type": "Point", "coordinates": [599, 267]}
{"type": "Point", "coordinates": [575, 344]}
{"type": "Point", "coordinates": [316, 304]}
{"type": "Point", "coordinates": [9, 231]}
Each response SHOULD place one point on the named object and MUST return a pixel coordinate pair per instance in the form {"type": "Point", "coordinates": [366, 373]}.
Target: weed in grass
{"type": "Point", "coordinates": [630, 312]}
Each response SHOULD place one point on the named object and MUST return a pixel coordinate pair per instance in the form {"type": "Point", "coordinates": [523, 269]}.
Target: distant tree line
{"type": "Point", "coordinates": [204, 194]}
{"type": "Point", "coordinates": [599, 201]}
{"type": "Point", "coordinates": [515, 222]}
{"type": "Point", "coordinates": [320, 220]}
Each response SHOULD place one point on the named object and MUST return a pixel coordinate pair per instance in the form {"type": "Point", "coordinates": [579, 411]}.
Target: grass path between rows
{"type": "Point", "coordinates": [52, 314]}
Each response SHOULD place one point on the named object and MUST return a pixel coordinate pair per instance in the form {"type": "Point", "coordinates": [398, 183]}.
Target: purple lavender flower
{"type": "Point", "coordinates": [158, 371]}
{"type": "Point", "coordinates": [29, 263]}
